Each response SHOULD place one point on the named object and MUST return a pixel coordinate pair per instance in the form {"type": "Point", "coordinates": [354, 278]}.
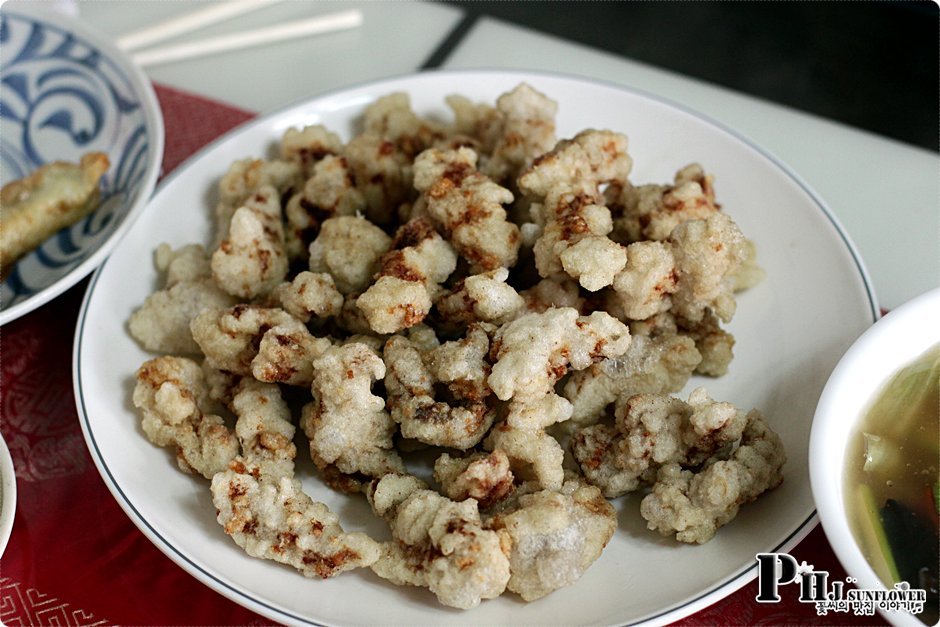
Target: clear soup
{"type": "Point", "coordinates": [892, 480]}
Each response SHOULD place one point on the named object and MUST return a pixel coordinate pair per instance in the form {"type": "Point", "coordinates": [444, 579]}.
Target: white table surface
{"type": "Point", "coordinates": [265, 78]}
{"type": "Point", "coordinates": [886, 194]}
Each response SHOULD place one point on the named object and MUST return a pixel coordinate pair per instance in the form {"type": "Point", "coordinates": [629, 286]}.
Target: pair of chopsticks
{"type": "Point", "coordinates": [192, 21]}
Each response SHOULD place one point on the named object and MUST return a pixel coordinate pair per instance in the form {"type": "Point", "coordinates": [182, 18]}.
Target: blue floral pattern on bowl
{"type": "Point", "coordinates": [63, 95]}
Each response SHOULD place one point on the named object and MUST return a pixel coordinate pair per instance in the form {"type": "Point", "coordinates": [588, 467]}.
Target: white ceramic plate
{"type": "Point", "coordinates": [7, 495]}
{"type": "Point", "coordinates": [790, 330]}
{"type": "Point", "coordinates": [67, 91]}
{"type": "Point", "coordinates": [898, 339]}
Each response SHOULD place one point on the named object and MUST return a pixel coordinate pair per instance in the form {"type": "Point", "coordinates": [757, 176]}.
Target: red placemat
{"type": "Point", "coordinates": [75, 558]}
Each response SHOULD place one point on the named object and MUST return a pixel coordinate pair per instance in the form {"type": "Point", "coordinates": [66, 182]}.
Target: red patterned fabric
{"type": "Point", "coordinates": [76, 559]}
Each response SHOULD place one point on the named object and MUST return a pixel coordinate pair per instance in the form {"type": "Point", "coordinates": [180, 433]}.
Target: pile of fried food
{"type": "Point", "coordinates": [480, 290]}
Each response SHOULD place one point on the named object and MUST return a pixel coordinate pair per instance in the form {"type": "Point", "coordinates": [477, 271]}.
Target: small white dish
{"type": "Point", "coordinates": [893, 342]}
{"type": "Point", "coordinates": [67, 91]}
{"type": "Point", "coordinates": [7, 495]}
{"type": "Point", "coordinates": [790, 331]}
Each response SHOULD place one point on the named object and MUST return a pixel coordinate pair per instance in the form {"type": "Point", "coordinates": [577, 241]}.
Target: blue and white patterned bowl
{"type": "Point", "coordinates": [65, 91]}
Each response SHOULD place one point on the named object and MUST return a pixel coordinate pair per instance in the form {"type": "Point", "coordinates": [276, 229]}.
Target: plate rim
{"type": "Point", "coordinates": [713, 594]}
{"type": "Point", "coordinates": [153, 120]}
{"type": "Point", "coordinates": [8, 487]}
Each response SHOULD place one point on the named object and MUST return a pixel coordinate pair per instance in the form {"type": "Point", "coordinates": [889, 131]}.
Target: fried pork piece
{"type": "Point", "coordinates": [382, 173]}
{"type": "Point", "coordinates": [658, 361]}
{"type": "Point", "coordinates": [264, 427]}
{"type": "Point", "coordinates": [381, 157]}
{"type": "Point", "coordinates": [594, 261]}
{"type": "Point", "coordinates": [392, 118]}
{"type": "Point", "coordinates": [595, 449]}
{"type": "Point", "coordinates": [392, 304]}
{"type": "Point", "coordinates": [263, 507]}
{"type": "Point", "coordinates": [480, 123]}
{"type": "Point", "coordinates": [650, 431]}
{"type": "Point", "coordinates": [347, 425]}
{"type": "Point", "coordinates": [551, 293]}
{"type": "Point", "coordinates": [172, 394]}
{"type": "Point", "coordinates": [485, 297]}
{"type": "Point", "coordinates": [286, 353]}
{"type": "Point", "coordinates": [468, 206]}
{"type": "Point", "coordinates": [222, 384]}
{"type": "Point", "coordinates": [660, 428]}
{"type": "Point", "coordinates": [409, 382]}
{"type": "Point", "coordinates": [349, 249]}
{"type": "Point", "coordinates": [712, 342]}
{"type": "Point", "coordinates": [161, 324]}
{"type": "Point", "coordinates": [438, 543]}
{"type": "Point", "coordinates": [644, 287]}
{"type": "Point", "coordinates": [584, 163]}
{"type": "Point", "coordinates": [272, 518]}
{"type": "Point", "coordinates": [309, 295]}
{"type": "Point", "coordinates": [252, 259]}
{"type": "Point", "coordinates": [330, 191]}
{"type": "Point", "coordinates": [307, 146]}
{"type": "Point", "coordinates": [55, 196]}
{"type": "Point", "coordinates": [555, 536]}
{"type": "Point", "coordinates": [409, 278]}
{"type": "Point", "coordinates": [534, 351]}
{"type": "Point", "coordinates": [544, 412]}
{"type": "Point", "coordinates": [696, 271]}
{"type": "Point", "coordinates": [709, 254]}
{"type": "Point", "coordinates": [651, 212]}
{"type": "Point", "coordinates": [481, 476]}
{"type": "Point", "coordinates": [571, 216]}
{"type": "Point", "coordinates": [267, 343]}
{"type": "Point", "coordinates": [567, 182]}
{"type": "Point", "coordinates": [533, 454]}
{"type": "Point", "coordinates": [461, 364]}
{"type": "Point", "coordinates": [527, 130]}
{"type": "Point", "coordinates": [242, 179]}
{"type": "Point", "coordinates": [693, 505]}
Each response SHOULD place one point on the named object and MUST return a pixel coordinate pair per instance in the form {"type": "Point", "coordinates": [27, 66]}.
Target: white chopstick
{"type": "Point", "coordinates": [189, 22]}
{"type": "Point", "coordinates": [313, 26]}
